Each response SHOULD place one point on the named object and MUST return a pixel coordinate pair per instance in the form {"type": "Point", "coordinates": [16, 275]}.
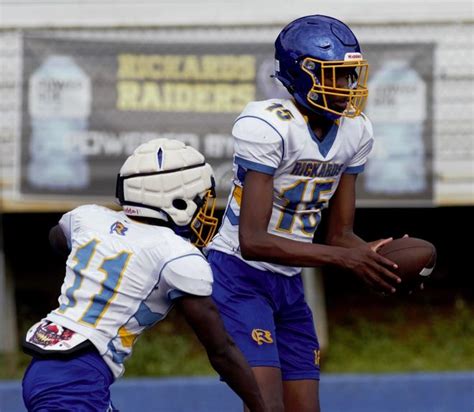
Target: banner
{"type": "Point", "coordinates": [88, 104]}
{"type": "Point", "coordinates": [400, 105]}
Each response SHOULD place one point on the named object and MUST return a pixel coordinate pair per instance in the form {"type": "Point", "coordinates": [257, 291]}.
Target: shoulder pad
{"type": "Point", "coordinates": [367, 124]}
{"type": "Point", "coordinates": [263, 121]}
{"type": "Point", "coordinates": [190, 273]}
{"type": "Point", "coordinates": [360, 123]}
{"type": "Point", "coordinates": [89, 209]}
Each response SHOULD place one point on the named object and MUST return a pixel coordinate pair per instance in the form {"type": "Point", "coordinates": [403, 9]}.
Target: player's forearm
{"type": "Point", "coordinates": [203, 316]}
{"type": "Point", "coordinates": [275, 249]}
{"type": "Point", "coordinates": [344, 239]}
{"type": "Point", "coordinates": [232, 367]}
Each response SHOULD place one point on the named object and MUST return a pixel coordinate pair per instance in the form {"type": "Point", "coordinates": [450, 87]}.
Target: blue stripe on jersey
{"type": "Point", "coordinates": [241, 171]}
{"type": "Point", "coordinates": [114, 269]}
{"type": "Point", "coordinates": [273, 127]}
{"type": "Point", "coordinates": [117, 356]}
{"type": "Point", "coordinates": [354, 169]}
{"type": "Point", "coordinates": [255, 166]}
{"type": "Point", "coordinates": [175, 294]}
{"type": "Point", "coordinates": [233, 218]}
{"type": "Point", "coordinates": [326, 144]}
{"type": "Point", "coordinates": [82, 257]}
{"type": "Point", "coordinates": [145, 317]}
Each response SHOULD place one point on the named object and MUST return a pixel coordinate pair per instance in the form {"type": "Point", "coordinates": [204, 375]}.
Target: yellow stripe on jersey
{"type": "Point", "coordinates": [127, 337]}
{"type": "Point", "coordinates": [237, 194]}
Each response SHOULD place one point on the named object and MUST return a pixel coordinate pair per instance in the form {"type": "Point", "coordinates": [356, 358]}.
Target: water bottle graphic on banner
{"type": "Point", "coordinates": [397, 107]}
{"type": "Point", "coordinates": [59, 106]}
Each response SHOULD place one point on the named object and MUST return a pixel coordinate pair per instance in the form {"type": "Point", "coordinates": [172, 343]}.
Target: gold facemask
{"type": "Point", "coordinates": [325, 84]}
{"type": "Point", "coordinates": [204, 224]}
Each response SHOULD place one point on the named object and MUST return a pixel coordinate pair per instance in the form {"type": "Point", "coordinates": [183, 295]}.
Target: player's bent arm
{"type": "Point", "coordinates": [255, 241]}
{"type": "Point", "coordinates": [341, 217]}
{"type": "Point", "coordinates": [341, 214]}
{"type": "Point", "coordinates": [58, 241]}
{"type": "Point", "coordinates": [203, 316]}
{"type": "Point", "coordinates": [257, 244]}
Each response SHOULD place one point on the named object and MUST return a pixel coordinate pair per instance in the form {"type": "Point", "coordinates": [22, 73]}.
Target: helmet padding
{"type": "Point", "coordinates": [164, 179]}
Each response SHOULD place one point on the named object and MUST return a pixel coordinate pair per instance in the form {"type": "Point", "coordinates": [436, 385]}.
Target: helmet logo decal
{"type": "Point", "coordinates": [131, 210]}
{"type": "Point", "coordinates": [160, 158]}
{"type": "Point", "coordinates": [352, 56]}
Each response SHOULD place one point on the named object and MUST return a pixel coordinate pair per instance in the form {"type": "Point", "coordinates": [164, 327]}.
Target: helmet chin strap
{"type": "Point", "coordinates": [133, 209]}
{"type": "Point", "coordinates": [183, 231]}
{"type": "Point", "coordinates": [161, 218]}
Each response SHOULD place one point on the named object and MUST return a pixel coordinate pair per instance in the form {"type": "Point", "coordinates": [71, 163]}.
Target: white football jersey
{"type": "Point", "coordinates": [121, 278]}
{"type": "Point", "coordinates": [273, 137]}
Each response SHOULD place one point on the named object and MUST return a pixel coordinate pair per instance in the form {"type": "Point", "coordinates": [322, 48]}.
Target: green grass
{"type": "Point", "coordinates": [376, 339]}
{"type": "Point", "coordinates": [169, 350]}
{"type": "Point", "coordinates": [402, 339]}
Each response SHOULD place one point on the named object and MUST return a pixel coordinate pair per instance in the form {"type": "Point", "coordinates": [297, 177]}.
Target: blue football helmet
{"type": "Point", "coordinates": [311, 53]}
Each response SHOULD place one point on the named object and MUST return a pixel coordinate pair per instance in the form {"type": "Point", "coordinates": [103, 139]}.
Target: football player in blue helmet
{"type": "Point", "coordinates": [293, 158]}
{"type": "Point", "coordinates": [311, 53]}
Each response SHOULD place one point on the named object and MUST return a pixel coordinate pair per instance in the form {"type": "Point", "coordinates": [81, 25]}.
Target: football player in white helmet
{"type": "Point", "coordinates": [125, 271]}
{"type": "Point", "coordinates": [291, 156]}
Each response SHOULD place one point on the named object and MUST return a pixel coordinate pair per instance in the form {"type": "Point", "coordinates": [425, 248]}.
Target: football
{"type": "Point", "coordinates": [416, 259]}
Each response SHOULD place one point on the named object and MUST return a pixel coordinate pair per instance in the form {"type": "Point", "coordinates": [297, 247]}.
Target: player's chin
{"type": "Point", "coordinates": [338, 105]}
{"type": "Point", "coordinates": [341, 108]}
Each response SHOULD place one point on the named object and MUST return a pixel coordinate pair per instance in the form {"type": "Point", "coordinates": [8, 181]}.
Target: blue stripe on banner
{"type": "Point", "coordinates": [354, 170]}
{"type": "Point", "coordinates": [255, 166]}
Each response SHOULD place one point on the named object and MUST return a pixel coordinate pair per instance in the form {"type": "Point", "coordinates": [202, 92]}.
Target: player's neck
{"type": "Point", "coordinates": [320, 125]}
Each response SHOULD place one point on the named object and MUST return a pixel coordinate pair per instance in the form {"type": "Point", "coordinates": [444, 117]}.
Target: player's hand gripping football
{"type": "Point", "coordinates": [416, 259]}
{"type": "Point", "coordinates": [372, 268]}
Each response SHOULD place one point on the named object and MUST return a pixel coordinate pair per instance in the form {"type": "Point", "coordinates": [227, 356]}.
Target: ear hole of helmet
{"type": "Point", "coordinates": [293, 72]}
{"type": "Point", "coordinates": [180, 204]}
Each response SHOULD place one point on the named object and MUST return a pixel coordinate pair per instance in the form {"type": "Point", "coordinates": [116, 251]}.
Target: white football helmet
{"type": "Point", "coordinates": [165, 179]}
